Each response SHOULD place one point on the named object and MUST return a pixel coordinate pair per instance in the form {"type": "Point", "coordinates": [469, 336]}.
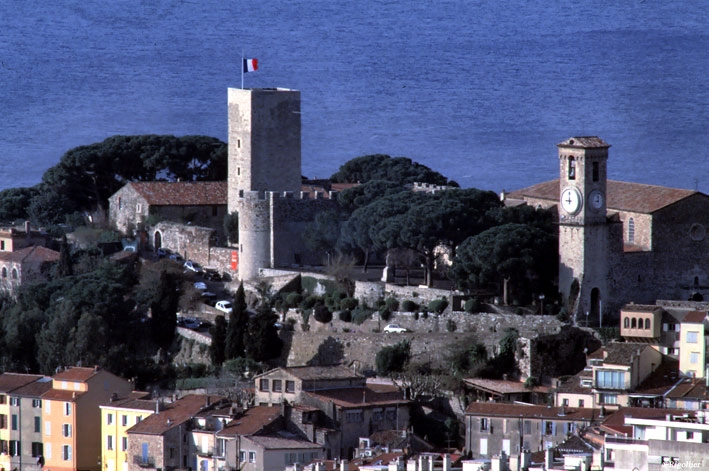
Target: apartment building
{"type": "Point", "coordinates": [118, 415]}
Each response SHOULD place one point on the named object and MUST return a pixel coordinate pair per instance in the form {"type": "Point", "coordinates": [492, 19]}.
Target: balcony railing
{"type": "Point", "coordinates": [624, 440]}
{"type": "Point", "coordinates": [144, 461]}
{"type": "Point", "coordinates": [212, 451]}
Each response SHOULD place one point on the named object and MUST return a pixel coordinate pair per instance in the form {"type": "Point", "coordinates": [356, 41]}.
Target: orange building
{"type": "Point", "coordinates": [72, 417]}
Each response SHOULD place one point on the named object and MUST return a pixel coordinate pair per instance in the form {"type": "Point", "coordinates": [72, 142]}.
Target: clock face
{"type": "Point", "coordinates": [595, 199]}
{"type": "Point", "coordinates": [571, 200]}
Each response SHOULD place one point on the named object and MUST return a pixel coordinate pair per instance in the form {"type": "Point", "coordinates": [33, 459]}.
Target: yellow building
{"type": "Point", "coordinates": [72, 418]}
{"type": "Point", "coordinates": [118, 415]}
{"type": "Point", "coordinates": [692, 345]}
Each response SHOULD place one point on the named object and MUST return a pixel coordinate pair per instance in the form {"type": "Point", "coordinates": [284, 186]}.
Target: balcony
{"type": "Point", "coordinates": [211, 452]}
{"type": "Point", "coordinates": [620, 441]}
{"type": "Point", "coordinates": [144, 461]}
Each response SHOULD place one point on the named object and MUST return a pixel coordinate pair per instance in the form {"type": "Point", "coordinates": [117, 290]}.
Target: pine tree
{"type": "Point", "coordinates": [238, 326]}
{"type": "Point", "coordinates": [217, 348]}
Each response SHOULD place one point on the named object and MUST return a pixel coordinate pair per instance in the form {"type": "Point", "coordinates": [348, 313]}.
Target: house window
{"type": "Point", "coordinates": [47, 428]}
{"type": "Point", "coordinates": [634, 324]}
{"type": "Point", "coordinates": [15, 448]}
{"type": "Point", "coordinates": [66, 452]}
{"type": "Point", "coordinates": [252, 457]}
{"type": "Point", "coordinates": [242, 456]}
{"type": "Point", "coordinates": [124, 443]}
{"type": "Point", "coordinates": [3, 421]}
{"type": "Point", "coordinates": [631, 230]}
{"type": "Point", "coordinates": [693, 358]}
{"type": "Point", "coordinates": [527, 427]}
{"type": "Point", "coordinates": [610, 379]}
{"type": "Point", "coordinates": [608, 398]}
{"type": "Point", "coordinates": [647, 324]}
{"type": "Point", "coordinates": [124, 420]}
{"type": "Point", "coordinates": [263, 385]}
{"type": "Point", "coordinates": [377, 415]}
{"type": "Point", "coordinates": [37, 403]}
{"type": "Point", "coordinates": [581, 403]}
{"type": "Point", "coordinates": [354, 416]}
{"type": "Point", "coordinates": [277, 385]}
{"type": "Point", "coordinates": [572, 168]}
{"type": "Point", "coordinates": [14, 421]}
{"type": "Point", "coordinates": [109, 419]}
{"type": "Point", "coordinates": [2, 245]}
{"type": "Point", "coordinates": [66, 430]}
{"type": "Point", "coordinates": [484, 424]}
{"type": "Point", "coordinates": [14, 401]}
{"type": "Point", "coordinates": [109, 442]}
{"type": "Point", "coordinates": [38, 425]}
{"type": "Point", "coordinates": [290, 386]}
{"type": "Point", "coordinates": [596, 171]}
{"type": "Point", "coordinates": [37, 449]}
{"type": "Point", "coordinates": [549, 428]}
{"type": "Point", "coordinates": [565, 402]}
{"type": "Point", "coordinates": [626, 322]}
{"type": "Point", "coordinates": [692, 337]}
{"type": "Point", "coordinates": [138, 419]}
{"type": "Point", "coordinates": [67, 408]}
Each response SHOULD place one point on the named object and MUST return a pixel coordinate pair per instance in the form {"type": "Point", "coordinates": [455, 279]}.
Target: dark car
{"type": "Point", "coordinates": [211, 274]}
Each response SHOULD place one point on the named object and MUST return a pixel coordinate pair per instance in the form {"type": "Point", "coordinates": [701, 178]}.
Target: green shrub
{"type": "Point", "coordinates": [309, 302]}
{"type": "Point", "coordinates": [393, 358]}
{"type": "Point", "coordinates": [385, 313]}
{"type": "Point", "coordinates": [322, 313]}
{"type": "Point", "coordinates": [392, 304]}
{"type": "Point", "coordinates": [345, 315]}
{"type": "Point", "coordinates": [294, 299]}
{"type": "Point", "coordinates": [472, 305]}
{"type": "Point", "coordinates": [450, 325]}
{"type": "Point", "coordinates": [438, 305]}
{"type": "Point", "coordinates": [361, 314]}
{"type": "Point", "coordinates": [409, 306]}
{"type": "Point", "coordinates": [348, 303]}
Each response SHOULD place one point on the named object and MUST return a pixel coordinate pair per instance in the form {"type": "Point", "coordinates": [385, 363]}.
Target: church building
{"type": "Point", "coordinates": [620, 242]}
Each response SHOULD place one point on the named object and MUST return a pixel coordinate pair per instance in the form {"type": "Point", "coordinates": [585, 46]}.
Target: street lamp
{"type": "Point", "coordinates": [541, 301]}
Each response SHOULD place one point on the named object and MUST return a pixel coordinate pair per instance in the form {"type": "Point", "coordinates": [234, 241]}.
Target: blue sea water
{"type": "Point", "coordinates": [480, 91]}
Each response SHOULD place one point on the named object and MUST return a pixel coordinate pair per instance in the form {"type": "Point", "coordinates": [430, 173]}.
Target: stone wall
{"type": "Point", "coordinates": [192, 242]}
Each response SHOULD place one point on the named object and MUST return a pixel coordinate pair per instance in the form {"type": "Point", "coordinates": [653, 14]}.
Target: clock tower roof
{"type": "Point", "coordinates": [584, 142]}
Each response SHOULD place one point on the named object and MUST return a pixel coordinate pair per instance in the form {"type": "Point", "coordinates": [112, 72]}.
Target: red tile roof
{"type": "Point", "coordinates": [12, 381]}
{"type": "Point", "coordinates": [496, 409]}
{"type": "Point", "coordinates": [174, 414]}
{"type": "Point", "coordinates": [370, 395]}
{"type": "Point", "coordinates": [584, 141]}
{"type": "Point", "coordinates": [615, 421]}
{"type": "Point", "coordinates": [62, 395]}
{"type": "Point", "coordinates": [622, 196]}
{"type": "Point", "coordinates": [35, 253]}
{"type": "Point", "coordinates": [695, 317]}
{"type": "Point", "coordinates": [182, 193]}
{"type": "Point", "coordinates": [252, 421]}
{"type": "Point", "coordinates": [500, 386]}
{"type": "Point", "coordinates": [76, 373]}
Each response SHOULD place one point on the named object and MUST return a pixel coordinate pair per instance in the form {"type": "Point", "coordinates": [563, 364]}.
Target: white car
{"type": "Point", "coordinates": [193, 266]}
{"type": "Point", "coordinates": [200, 286]}
{"type": "Point", "coordinates": [394, 329]}
{"type": "Point", "coordinates": [224, 306]}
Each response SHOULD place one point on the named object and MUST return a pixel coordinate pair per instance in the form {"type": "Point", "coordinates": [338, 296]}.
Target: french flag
{"type": "Point", "coordinates": [250, 65]}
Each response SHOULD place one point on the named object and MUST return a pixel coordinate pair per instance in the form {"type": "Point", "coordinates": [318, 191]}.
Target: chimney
{"type": "Point", "coordinates": [27, 228]}
{"type": "Point", "coordinates": [114, 397]}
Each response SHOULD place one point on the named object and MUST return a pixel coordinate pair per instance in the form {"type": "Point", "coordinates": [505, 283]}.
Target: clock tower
{"type": "Point", "coordinates": [583, 227]}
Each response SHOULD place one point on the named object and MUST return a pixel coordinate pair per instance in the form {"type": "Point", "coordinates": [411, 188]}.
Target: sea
{"type": "Point", "coordinates": [480, 91]}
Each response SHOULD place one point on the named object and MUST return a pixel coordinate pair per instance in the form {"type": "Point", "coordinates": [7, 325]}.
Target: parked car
{"type": "Point", "coordinates": [188, 322]}
{"type": "Point", "coordinates": [163, 252]}
{"type": "Point", "coordinates": [224, 306]}
{"type": "Point", "coordinates": [211, 274]}
{"type": "Point", "coordinates": [209, 298]}
{"type": "Point", "coordinates": [176, 257]}
{"type": "Point", "coordinates": [193, 266]}
{"type": "Point", "coordinates": [394, 329]}
{"type": "Point", "coordinates": [200, 286]}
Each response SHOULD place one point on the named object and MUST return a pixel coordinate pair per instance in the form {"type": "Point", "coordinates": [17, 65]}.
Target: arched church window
{"type": "Point", "coordinates": [572, 168]}
{"type": "Point", "coordinates": [631, 230]}
{"type": "Point", "coordinates": [4, 272]}
{"type": "Point", "coordinates": [634, 324]}
{"type": "Point", "coordinates": [14, 273]}
{"type": "Point", "coordinates": [626, 322]}
{"type": "Point", "coordinates": [647, 324]}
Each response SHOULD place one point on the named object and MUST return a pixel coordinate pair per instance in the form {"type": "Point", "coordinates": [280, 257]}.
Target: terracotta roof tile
{"type": "Point", "coordinates": [75, 373]}
{"type": "Point", "coordinates": [35, 388]}
{"type": "Point", "coordinates": [277, 442]}
{"type": "Point", "coordinates": [695, 317]}
{"type": "Point", "coordinates": [182, 193]}
{"type": "Point", "coordinates": [622, 353]}
{"type": "Point", "coordinates": [584, 141]}
{"type": "Point", "coordinates": [9, 382]}
{"type": "Point", "coordinates": [501, 386]}
{"type": "Point", "coordinates": [173, 415]}
{"type": "Point", "coordinates": [62, 395]}
{"type": "Point", "coordinates": [35, 253]}
{"type": "Point", "coordinates": [306, 373]}
{"type": "Point", "coordinates": [622, 196]}
{"type": "Point", "coordinates": [615, 421]}
{"type": "Point", "coordinates": [369, 395]}
{"type": "Point", "coordinates": [496, 409]}
{"type": "Point", "coordinates": [252, 421]}
{"type": "Point", "coordinates": [136, 400]}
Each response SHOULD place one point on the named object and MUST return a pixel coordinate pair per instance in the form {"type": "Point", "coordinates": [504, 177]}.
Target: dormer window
{"type": "Point", "coordinates": [572, 168]}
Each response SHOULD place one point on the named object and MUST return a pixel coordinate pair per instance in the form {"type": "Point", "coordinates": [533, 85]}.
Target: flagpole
{"type": "Point", "coordinates": [242, 69]}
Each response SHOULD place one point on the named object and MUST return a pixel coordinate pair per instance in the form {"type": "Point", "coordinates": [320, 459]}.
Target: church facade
{"type": "Point", "coordinates": [621, 242]}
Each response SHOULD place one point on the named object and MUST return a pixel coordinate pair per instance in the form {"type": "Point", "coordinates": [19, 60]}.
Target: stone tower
{"type": "Point", "coordinates": [584, 265]}
{"type": "Point", "coordinates": [264, 156]}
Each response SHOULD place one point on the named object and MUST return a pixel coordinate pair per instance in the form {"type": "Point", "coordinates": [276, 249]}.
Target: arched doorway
{"type": "Point", "coordinates": [157, 242]}
{"type": "Point", "coordinates": [596, 305]}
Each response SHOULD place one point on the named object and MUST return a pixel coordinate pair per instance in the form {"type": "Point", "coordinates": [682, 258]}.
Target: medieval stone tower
{"type": "Point", "coordinates": [265, 180]}
{"type": "Point", "coordinates": [584, 229]}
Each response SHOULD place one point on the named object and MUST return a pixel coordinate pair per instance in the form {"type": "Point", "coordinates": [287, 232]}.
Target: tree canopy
{"type": "Point", "coordinates": [401, 170]}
